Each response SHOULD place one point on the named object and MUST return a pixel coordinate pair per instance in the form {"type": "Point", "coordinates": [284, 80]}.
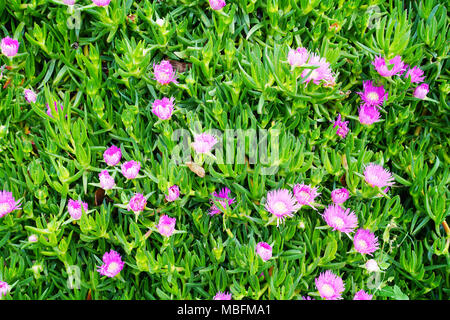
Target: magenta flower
{"type": "Point", "coordinates": [305, 194]}
{"type": "Point", "coordinates": [106, 181]}
{"type": "Point", "coordinates": [112, 155]}
{"type": "Point", "coordinates": [217, 4]}
{"type": "Point", "coordinates": [33, 238]}
{"type": "Point", "coordinates": [50, 112]}
{"type": "Point", "coordinates": [163, 108]}
{"type": "Point", "coordinates": [101, 3]}
{"type": "Point", "coordinates": [362, 295]}
{"type": "Point", "coordinates": [4, 288]}
{"type": "Point", "coordinates": [69, 2]}
{"type": "Point", "coordinates": [112, 264]}
{"type": "Point", "coordinates": [421, 91]}
{"type": "Point", "coordinates": [222, 296]}
{"type": "Point", "coordinates": [164, 72]}
{"type": "Point", "coordinates": [130, 169]}
{"type": "Point", "coordinates": [298, 57]}
{"type": "Point", "coordinates": [9, 46]}
{"type": "Point", "coordinates": [137, 203]}
{"type": "Point", "coordinates": [203, 143]}
{"type": "Point", "coordinates": [223, 200]}
{"type": "Point", "coordinates": [373, 96]}
{"type": "Point", "coordinates": [340, 219]}
{"type": "Point", "coordinates": [339, 195]}
{"type": "Point", "coordinates": [416, 75]}
{"type": "Point", "coordinates": [330, 286]}
{"type": "Point", "coordinates": [166, 225]}
{"type": "Point", "coordinates": [323, 72]}
{"type": "Point", "coordinates": [365, 242]}
{"type": "Point", "coordinates": [397, 66]}
{"type": "Point", "coordinates": [7, 203]}
{"type": "Point", "coordinates": [75, 210]}
{"type": "Point", "coordinates": [281, 203]}
{"type": "Point", "coordinates": [368, 114]}
{"type": "Point", "coordinates": [30, 95]}
{"type": "Point", "coordinates": [307, 298]}
{"type": "Point", "coordinates": [174, 193]}
{"type": "Point", "coordinates": [264, 250]}
{"type": "Point", "coordinates": [342, 127]}
{"type": "Point", "coordinates": [376, 176]}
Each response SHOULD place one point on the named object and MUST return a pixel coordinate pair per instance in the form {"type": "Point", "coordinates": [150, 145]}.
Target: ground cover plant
{"type": "Point", "coordinates": [237, 149]}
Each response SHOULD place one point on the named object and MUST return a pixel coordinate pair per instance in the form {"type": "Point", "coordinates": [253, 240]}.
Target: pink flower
{"type": "Point", "coordinates": [69, 2]}
{"type": "Point", "coordinates": [264, 250]}
{"type": "Point", "coordinates": [330, 286]}
{"type": "Point", "coordinates": [112, 264]}
{"type": "Point", "coordinates": [323, 72]}
{"type": "Point", "coordinates": [365, 242]}
{"type": "Point", "coordinates": [368, 114]}
{"type": "Point", "coordinates": [416, 75]}
{"type": "Point", "coordinates": [372, 266]}
{"type": "Point", "coordinates": [397, 66]}
{"type": "Point", "coordinates": [33, 238]}
{"type": "Point", "coordinates": [421, 91]}
{"type": "Point", "coordinates": [305, 194]}
{"type": "Point", "coordinates": [130, 169]}
{"type": "Point", "coordinates": [50, 112]}
{"type": "Point", "coordinates": [30, 95]}
{"type": "Point", "coordinates": [307, 298]}
{"type": "Point", "coordinates": [298, 57]}
{"type": "Point", "coordinates": [9, 46]}
{"type": "Point", "coordinates": [106, 181]}
{"type": "Point", "coordinates": [75, 210]}
{"type": "Point", "coordinates": [339, 195]}
{"type": "Point", "coordinates": [203, 143]}
{"type": "Point", "coordinates": [222, 296]}
{"type": "Point", "coordinates": [174, 193]}
{"type": "Point", "coordinates": [166, 225]}
{"type": "Point", "coordinates": [101, 3]}
{"type": "Point", "coordinates": [217, 4]}
{"type": "Point", "coordinates": [223, 199]}
{"type": "Point", "coordinates": [4, 288]}
{"type": "Point", "coordinates": [163, 108]}
{"type": "Point", "coordinates": [373, 96]}
{"type": "Point", "coordinates": [340, 219]}
{"type": "Point", "coordinates": [164, 72]}
{"type": "Point", "coordinates": [112, 155]}
{"type": "Point", "coordinates": [362, 295]}
{"type": "Point", "coordinates": [137, 203]}
{"type": "Point", "coordinates": [281, 204]}
{"type": "Point", "coordinates": [342, 127]}
{"type": "Point", "coordinates": [7, 203]}
{"type": "Point", "coordinates": [376, 176]}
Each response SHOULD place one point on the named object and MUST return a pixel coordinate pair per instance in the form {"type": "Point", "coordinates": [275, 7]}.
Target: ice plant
{"type": "Point", "coordinates": [368, 114]}
{"type": "Point", "coordinates": [305, 194]}
{"type": "Point", "coordinates": [340, 219]}
{"type": "Point", "coordinates": [416, 75]}
{"type": "Point", "coordinates": [174, 193]}
{"type": "Point", "coordinates": [4, 288]}
{"type": "Point", "coordinates": [30, 95]}
{"type": "Point", "coordinates": [362, 295]}
{"type": "Point", "coordinates": [164, 72]}
{"type": "Point", "coordinates": [220, 201]}
{"type": "Point", "coordinates": [342, 128]}
{"type": "Point", "coordinates": [330, 286]}
{"type": "Point", "coordinates": [396, 66]}
{"type": "Point", "coordinates": [106, 181]}
{"type": "Point", "coordinates": [421, 91]}
{"type": "Point", "coordinates": [7, 203]}
{"type": "Point", "coordinates": [307, 298]}
{"type": "Point", "coordinates": [112, 155]}
{"type": "Point", "coordinates": [112, 264]}
{"type": "Point", "coordinates": [298, 57]}
{"type": "Point", "coordinates": [163, 108]}
{"type": "Point", "coordinates": [376, 176]}
{"type": "Point", "coordinates": [101, 3]}
{"type": "Point", "coordinates": [339, 196]}
{"type": "Point", "coordinates": [264, 250]}
{"type": "Point", "coordinates": [75, 210]}
{"type": "Point", "coordinates": [33, 238]}
{"type": "Point", "coordinates": [9, 46]}
{"type": "Point", "coordinates": [322, 72]}
{"type": "Point", "coordinates": [365, 241]}
{"type": "Point", "coordinates": [137, 203]}
{"type": "Point", "coordinates": [372, 95]}
{"type": "Point", "coordinates": [281, 203]}
{"type": "Point", "coordinates": [130, 169]}
{"type": "Point", "coordinates": [371, 266]}
{"type": "Point", "coordinates": [222, 296]}
{"type": "Point", "coordinates": [204, 142]}
{"type": "Point", "coordinates": [217, 4]}
{"type": "Point", "coordinates": [166, 225]}
{"type": "Point", "coordinates": [50, 112]}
